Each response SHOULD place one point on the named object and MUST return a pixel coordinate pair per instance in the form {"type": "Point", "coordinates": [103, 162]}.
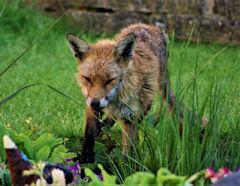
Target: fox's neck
{"type": "Point", "coordinates": [126, 87]}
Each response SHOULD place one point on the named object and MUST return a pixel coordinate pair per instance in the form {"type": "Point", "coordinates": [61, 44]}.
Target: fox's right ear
{"type": "Point", "coordinates": [78, 46]}
{"type": "Point", "coordinates": [124, 49]}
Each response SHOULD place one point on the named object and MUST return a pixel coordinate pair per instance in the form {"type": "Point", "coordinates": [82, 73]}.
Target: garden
{"type": "Point", "coordinates": [42, 108]}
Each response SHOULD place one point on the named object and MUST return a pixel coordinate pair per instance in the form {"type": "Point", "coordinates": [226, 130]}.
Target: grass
{"type": "Point", "coordinates": [50, 62]}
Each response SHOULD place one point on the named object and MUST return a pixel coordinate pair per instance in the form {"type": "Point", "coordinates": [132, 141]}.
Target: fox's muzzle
{"type": "Point", "coordinates": [95, 104]}
{"type": "Point", "coordinates": [99, 104]}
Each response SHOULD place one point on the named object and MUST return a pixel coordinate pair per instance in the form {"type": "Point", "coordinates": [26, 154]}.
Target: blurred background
{"type": "Point", "coordinates": [37, 77]}
{"type": "Point", "coordinates": [216, 20]}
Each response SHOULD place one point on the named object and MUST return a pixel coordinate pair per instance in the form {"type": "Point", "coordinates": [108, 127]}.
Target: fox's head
{"type": "Point", "coordinates": [102, 67]}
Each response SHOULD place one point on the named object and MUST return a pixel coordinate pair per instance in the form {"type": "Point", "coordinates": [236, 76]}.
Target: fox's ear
{"type": "Point", "coordinates": [124, 49]}
{"type": "Point", "coordinates": [78, 46]}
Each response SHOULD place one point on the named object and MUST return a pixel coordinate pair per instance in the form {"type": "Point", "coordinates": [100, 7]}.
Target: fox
{"type": "Point", "coordinates": [117, 76]}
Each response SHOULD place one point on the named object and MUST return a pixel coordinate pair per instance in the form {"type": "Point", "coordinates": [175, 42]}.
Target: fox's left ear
{"type": "Point", "coordinates": [78, 46]}
{"type": "Point", "coordinates": [124, 49]}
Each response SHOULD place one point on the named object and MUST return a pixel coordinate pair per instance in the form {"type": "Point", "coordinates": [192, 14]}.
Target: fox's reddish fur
{"type": "Point", "coordinates": [116, 75]}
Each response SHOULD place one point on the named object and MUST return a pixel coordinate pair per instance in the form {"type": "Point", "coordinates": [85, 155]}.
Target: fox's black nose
{"type": "Point", "coordinates": [95, 104]}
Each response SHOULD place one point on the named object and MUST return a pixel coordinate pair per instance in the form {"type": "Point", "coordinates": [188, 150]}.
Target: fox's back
{"type": "Point", "coordinates": [144, 73]}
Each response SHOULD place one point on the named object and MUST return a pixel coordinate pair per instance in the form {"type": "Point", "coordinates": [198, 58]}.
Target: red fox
{"type": "Point", "coordinates": [118, 75]}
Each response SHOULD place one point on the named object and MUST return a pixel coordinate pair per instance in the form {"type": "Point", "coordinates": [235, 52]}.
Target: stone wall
{"type": "Point", "coordinates": [215, 20]}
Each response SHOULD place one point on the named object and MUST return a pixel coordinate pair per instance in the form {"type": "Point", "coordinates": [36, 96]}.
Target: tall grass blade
{"type": "Point", "coordinates": [202, 68]}
{"type": "Point", "coordinates": [204, 104]}
{"type": "Point", "coordinates": [34, 43]}
{"type": "Point", "coordinates": [37, 84]}
{"type": "Point", "coordinates": [189, 40]}
{"type": "Point", "coordinates": [3, 8]}
{"type": "Point", "coordinates": [137, 162]}
{"type": "Point", "coordinates": [115, 168]}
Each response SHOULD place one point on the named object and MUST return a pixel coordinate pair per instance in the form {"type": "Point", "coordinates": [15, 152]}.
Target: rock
{"type": "Point", "coordinates": [216, 20]}
{"type": "Point", "coordinates": [138, 6]}
{"type": "Point", "coordinates": [231, 180]}
{"type": "Point", "coordinates": [219, 30]}
{"type": "Point", "coordinates": [227, 8]}
{"type": "Point", "coordinates": [98, 23]}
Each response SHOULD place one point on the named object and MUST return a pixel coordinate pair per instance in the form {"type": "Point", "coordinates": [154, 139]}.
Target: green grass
{"type": "Point", "coordinates": [50, 62]}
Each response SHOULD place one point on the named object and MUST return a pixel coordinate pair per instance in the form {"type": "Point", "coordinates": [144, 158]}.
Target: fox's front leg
{"type": "Point", "coordinates": [128, 136]}
{"type": "Point", "coordinates": [92, 129]}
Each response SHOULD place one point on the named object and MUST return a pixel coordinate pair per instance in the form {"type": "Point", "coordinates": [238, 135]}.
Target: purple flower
{"type": "Point", "coordinates": [76, 174]}
{"type": "Point", "coordinates": [78, 166]}
{"type": "Point", "coordinates": [100, 177]}
{"type": "Point", "coordinates": [75, 181]}
{"type": "Point", "coordinates": [1, 167]}
{"type": "Point", "coordinates": [238, 169]}
{"type": "Point", "coordinates": [68, 159]}
{"type": "Point", "coordinates": [73, 168]}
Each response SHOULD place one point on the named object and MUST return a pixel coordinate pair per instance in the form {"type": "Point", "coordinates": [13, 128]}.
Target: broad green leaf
{"type": "Point", "coordinates": [60, 153]}
{"type": "Point", "coordinates": [25, 144]}
{"type": "Point", "coordinates": [92, 175]}
{"type": "Point", "coordinates": [57, 154]}
{"type": "Point", "coordinates": [108, 179]}
{"type": "Point", "coordinates": [47, 139]}
{"type": "Point", "coordinates": [43, 153]}
{"type": "Point", "coordinates": [142, 179]}
{"type": "Point", "coordinates": [165, 177]}
{"type": "Point", "coordinates": [95, 180]}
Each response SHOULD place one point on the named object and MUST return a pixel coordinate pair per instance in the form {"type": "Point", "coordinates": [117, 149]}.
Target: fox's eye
{"type": "Point", "coordinates": [88, 79]}
{"type": "Point", "coordinates": [109, 81]}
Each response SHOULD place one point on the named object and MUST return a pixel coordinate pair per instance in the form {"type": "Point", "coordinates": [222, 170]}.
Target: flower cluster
{"type": "Point", "coordinates": [215, 176]}
{"type": "Point", "coordinates": [76, 170]}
